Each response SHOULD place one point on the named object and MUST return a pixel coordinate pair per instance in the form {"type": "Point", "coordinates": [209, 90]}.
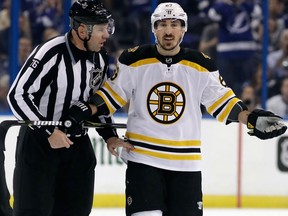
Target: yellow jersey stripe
{"type": "Point", "coordinates": [108, 104]}
{"type": "Point", "coordinates": [168, 156]}
{"type": "Point", "coordinates": [228, 94]}
{"type": "Point", "coordinates": [144, 62]}
{"type": "Point", "coordinates": [193, 65]}
{"type": "Point", "coordinates": [115, 96]}
{"type": "Point", "coordinates": [228, 109]}
{"type": "Point", "coordinates": [162, 141]}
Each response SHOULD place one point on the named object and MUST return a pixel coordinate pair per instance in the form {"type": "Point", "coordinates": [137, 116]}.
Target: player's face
{"type": "Point", "coordinates": [169, 34]}
{"type": "Point", "coordinates": [98, 37]}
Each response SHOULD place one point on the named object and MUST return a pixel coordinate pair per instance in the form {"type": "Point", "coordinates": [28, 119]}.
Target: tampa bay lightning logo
{"type": "Point", "coordinates": [96, 75]}
{"type": "Point", "coordinates": [238, 23]}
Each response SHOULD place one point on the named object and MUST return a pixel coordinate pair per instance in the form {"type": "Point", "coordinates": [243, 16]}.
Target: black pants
{"type": "Point", "coordinates": [174, 192]}
{"type": "Point", "coordinates": [53, 182]}
{"type": "Point", "coordinates": [5, 208]}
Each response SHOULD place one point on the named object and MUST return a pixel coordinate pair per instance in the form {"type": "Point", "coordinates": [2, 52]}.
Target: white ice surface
{"type": "Point", "coordinates": [207, 212]}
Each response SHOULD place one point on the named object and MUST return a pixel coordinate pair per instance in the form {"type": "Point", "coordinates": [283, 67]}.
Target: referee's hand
{"type": "Point", "coordinates": [114, 142]}
{"type": "Point", "coordinates": [59, 139]}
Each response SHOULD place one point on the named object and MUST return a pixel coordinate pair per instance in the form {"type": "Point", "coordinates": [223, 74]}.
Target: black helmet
{"type": "Point", "coordinates": [90, 12]}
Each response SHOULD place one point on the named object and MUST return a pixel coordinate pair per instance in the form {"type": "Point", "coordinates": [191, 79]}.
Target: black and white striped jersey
{"type": "Point", "coordinates": [55, 75]}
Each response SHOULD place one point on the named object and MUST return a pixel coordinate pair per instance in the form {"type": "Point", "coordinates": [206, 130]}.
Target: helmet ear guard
{"type": "Point", "coordinates": [168, 10]}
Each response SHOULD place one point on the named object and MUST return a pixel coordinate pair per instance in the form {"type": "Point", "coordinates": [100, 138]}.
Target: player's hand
{"type": "Point", "coordinates": [114, 142]}
{"type": "Point", "coordinates": [59, 139]}
{"type": "Point", "coordinates": [265, 124]}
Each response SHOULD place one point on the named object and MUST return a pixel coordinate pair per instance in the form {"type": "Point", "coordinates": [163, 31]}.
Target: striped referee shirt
{"type": "Point", "coordinates": [56, 75]}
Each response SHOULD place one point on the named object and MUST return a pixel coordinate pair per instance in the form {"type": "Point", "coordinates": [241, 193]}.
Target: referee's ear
{"type": "Point", "coordinates": [82, 31]}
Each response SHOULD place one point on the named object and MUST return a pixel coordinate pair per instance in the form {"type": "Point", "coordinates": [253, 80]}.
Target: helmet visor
{"type": "Point", "coordinates": [92, 22]}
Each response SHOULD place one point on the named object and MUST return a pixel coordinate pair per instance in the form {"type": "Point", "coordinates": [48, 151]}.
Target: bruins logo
{"type": "Point", "coordinates": [166, 102]}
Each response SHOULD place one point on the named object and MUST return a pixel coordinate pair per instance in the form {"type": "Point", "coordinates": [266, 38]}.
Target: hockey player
{"type": "Point", "coordinates": [165, 84]}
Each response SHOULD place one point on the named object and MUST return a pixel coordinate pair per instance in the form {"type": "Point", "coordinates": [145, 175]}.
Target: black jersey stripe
{"type": "Point", "coordinates": [111, 100]}
{"type": "Point", "coordinates": [83, 80]}
{"type": "Point", "coordinates": [54, 88]}
{"type": "Point", "coordinates": [165, 149]}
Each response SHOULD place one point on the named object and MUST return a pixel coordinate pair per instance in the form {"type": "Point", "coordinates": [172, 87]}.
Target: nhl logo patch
{"type": "Point", "coordinates": [96, 75]}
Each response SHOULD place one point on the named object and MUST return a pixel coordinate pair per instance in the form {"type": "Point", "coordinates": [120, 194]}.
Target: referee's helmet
{"type": "Point", "coordinates": [168, 10]}
{"type": "Point", "coordinates": [90, 12]}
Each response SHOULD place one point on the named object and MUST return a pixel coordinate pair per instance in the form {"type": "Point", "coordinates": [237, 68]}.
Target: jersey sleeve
{"type": "Point", "coordinates": [29, 82]}
{"type": "Point", "coordinates": [117, 91]}
{"type": "Point", "coordinates": [219, 99]}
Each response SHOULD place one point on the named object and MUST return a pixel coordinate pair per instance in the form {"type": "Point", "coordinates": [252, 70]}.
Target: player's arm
{"type": "Point", "coordinates": [261, 123]}
{"type": "Point", "coordinates": [99, 107]}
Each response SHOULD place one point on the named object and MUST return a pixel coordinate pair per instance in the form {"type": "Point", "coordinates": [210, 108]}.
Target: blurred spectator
{"type": "Point", "coordinates": [278, 61]}
{"type": "Point", "coordinates": [4, 64]}
{"type": "Point", "coordinates": [279, 103]}
{"type": "Point", "coordinates": [249, 97]}
{"type": "Point", "coordinates": [4, 88]}
{"type": "Point", "coordinates": [46, 14]}
{"type": "Point", "coordinates": [5, 15]}
{"type": "Point", "coordinates": [275, 24]}
{"type": "Point", "coordinates": [209, 40]}
{"type": "Point", "coordinates": [49, 33]}
{"type": "Point", "coordinates": [24, 50]}
{"type": "Point", "coordinates": [236, 48]}
{"type": "Point", "coordinates": [24, 31]}
{"type": "Point", "coordinates": [132, 18]}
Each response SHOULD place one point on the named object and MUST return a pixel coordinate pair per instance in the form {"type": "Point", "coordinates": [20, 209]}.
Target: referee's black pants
{"type": "Point", "coordinates": [53, 182]}
{"type": "Point", "coordinates": [5, 208]}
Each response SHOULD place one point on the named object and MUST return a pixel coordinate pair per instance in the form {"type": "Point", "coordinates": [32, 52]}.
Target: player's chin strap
{"type": "Point", "coordinates": [265, 124]}
{"type": "Point", "coordinates": [86, 42]}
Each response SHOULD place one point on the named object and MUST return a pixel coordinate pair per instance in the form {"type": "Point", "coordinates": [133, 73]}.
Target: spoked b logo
{"type": "Point", "coordinates": [166, 102]}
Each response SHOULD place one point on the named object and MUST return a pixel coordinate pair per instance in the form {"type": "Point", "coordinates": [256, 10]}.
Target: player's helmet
{"type": "Point", "coordinates": [168, 10]}
{"type": "Point", "coordinates": [90, 12]}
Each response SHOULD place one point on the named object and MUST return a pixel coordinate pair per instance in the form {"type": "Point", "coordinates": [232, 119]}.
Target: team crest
{"type": "Point", "coordinates": [96, 75]}
{"type": "Point", "coordinates": [166, 102]}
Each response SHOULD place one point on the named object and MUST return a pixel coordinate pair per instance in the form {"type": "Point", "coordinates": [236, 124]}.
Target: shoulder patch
{"type": "Point", "coordinates": [206, 56]}
{"type": "Point", "coordinates": [200, 58]}
{"type": "Point", "coordinates": [133, 49]}
{"type": "Point", "coordinates": [137, 53]}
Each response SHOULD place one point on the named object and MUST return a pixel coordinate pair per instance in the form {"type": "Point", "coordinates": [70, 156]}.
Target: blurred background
{"type": "Point", "coordinates": [255, 66]}
{"type": "Point", "coordinates": [250, 47]}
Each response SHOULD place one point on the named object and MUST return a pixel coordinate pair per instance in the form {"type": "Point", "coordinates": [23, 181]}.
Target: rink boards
{"type": "Point", "coordinates": [238, 170]}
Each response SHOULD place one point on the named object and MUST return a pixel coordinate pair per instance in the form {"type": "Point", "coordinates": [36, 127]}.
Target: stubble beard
{"type": "Point", "coordinates": [167, 45]}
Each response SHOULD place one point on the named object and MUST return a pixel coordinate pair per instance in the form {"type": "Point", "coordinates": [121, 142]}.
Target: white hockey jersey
{"type": "Point", "coordinates": [164, 95]}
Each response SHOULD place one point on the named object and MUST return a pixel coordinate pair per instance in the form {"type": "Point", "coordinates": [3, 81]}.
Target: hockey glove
{"type": "Point", "coordinates": [77, 113]}
{"type": "Point", "coordinates": [265, 124]}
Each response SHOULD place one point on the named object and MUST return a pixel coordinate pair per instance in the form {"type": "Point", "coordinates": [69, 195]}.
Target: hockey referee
{"type": "Point", "coordinates": [54, 172]}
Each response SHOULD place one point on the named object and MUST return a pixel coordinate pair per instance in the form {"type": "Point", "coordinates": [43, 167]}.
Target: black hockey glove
{"type": "Point", "coordinates": [77, 113]}
{"type": "Point", "coordinates": [265, 124]}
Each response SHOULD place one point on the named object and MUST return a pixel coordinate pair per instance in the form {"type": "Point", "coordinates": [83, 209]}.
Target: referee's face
{"type": "Point", "coordinates": [98, 37]}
